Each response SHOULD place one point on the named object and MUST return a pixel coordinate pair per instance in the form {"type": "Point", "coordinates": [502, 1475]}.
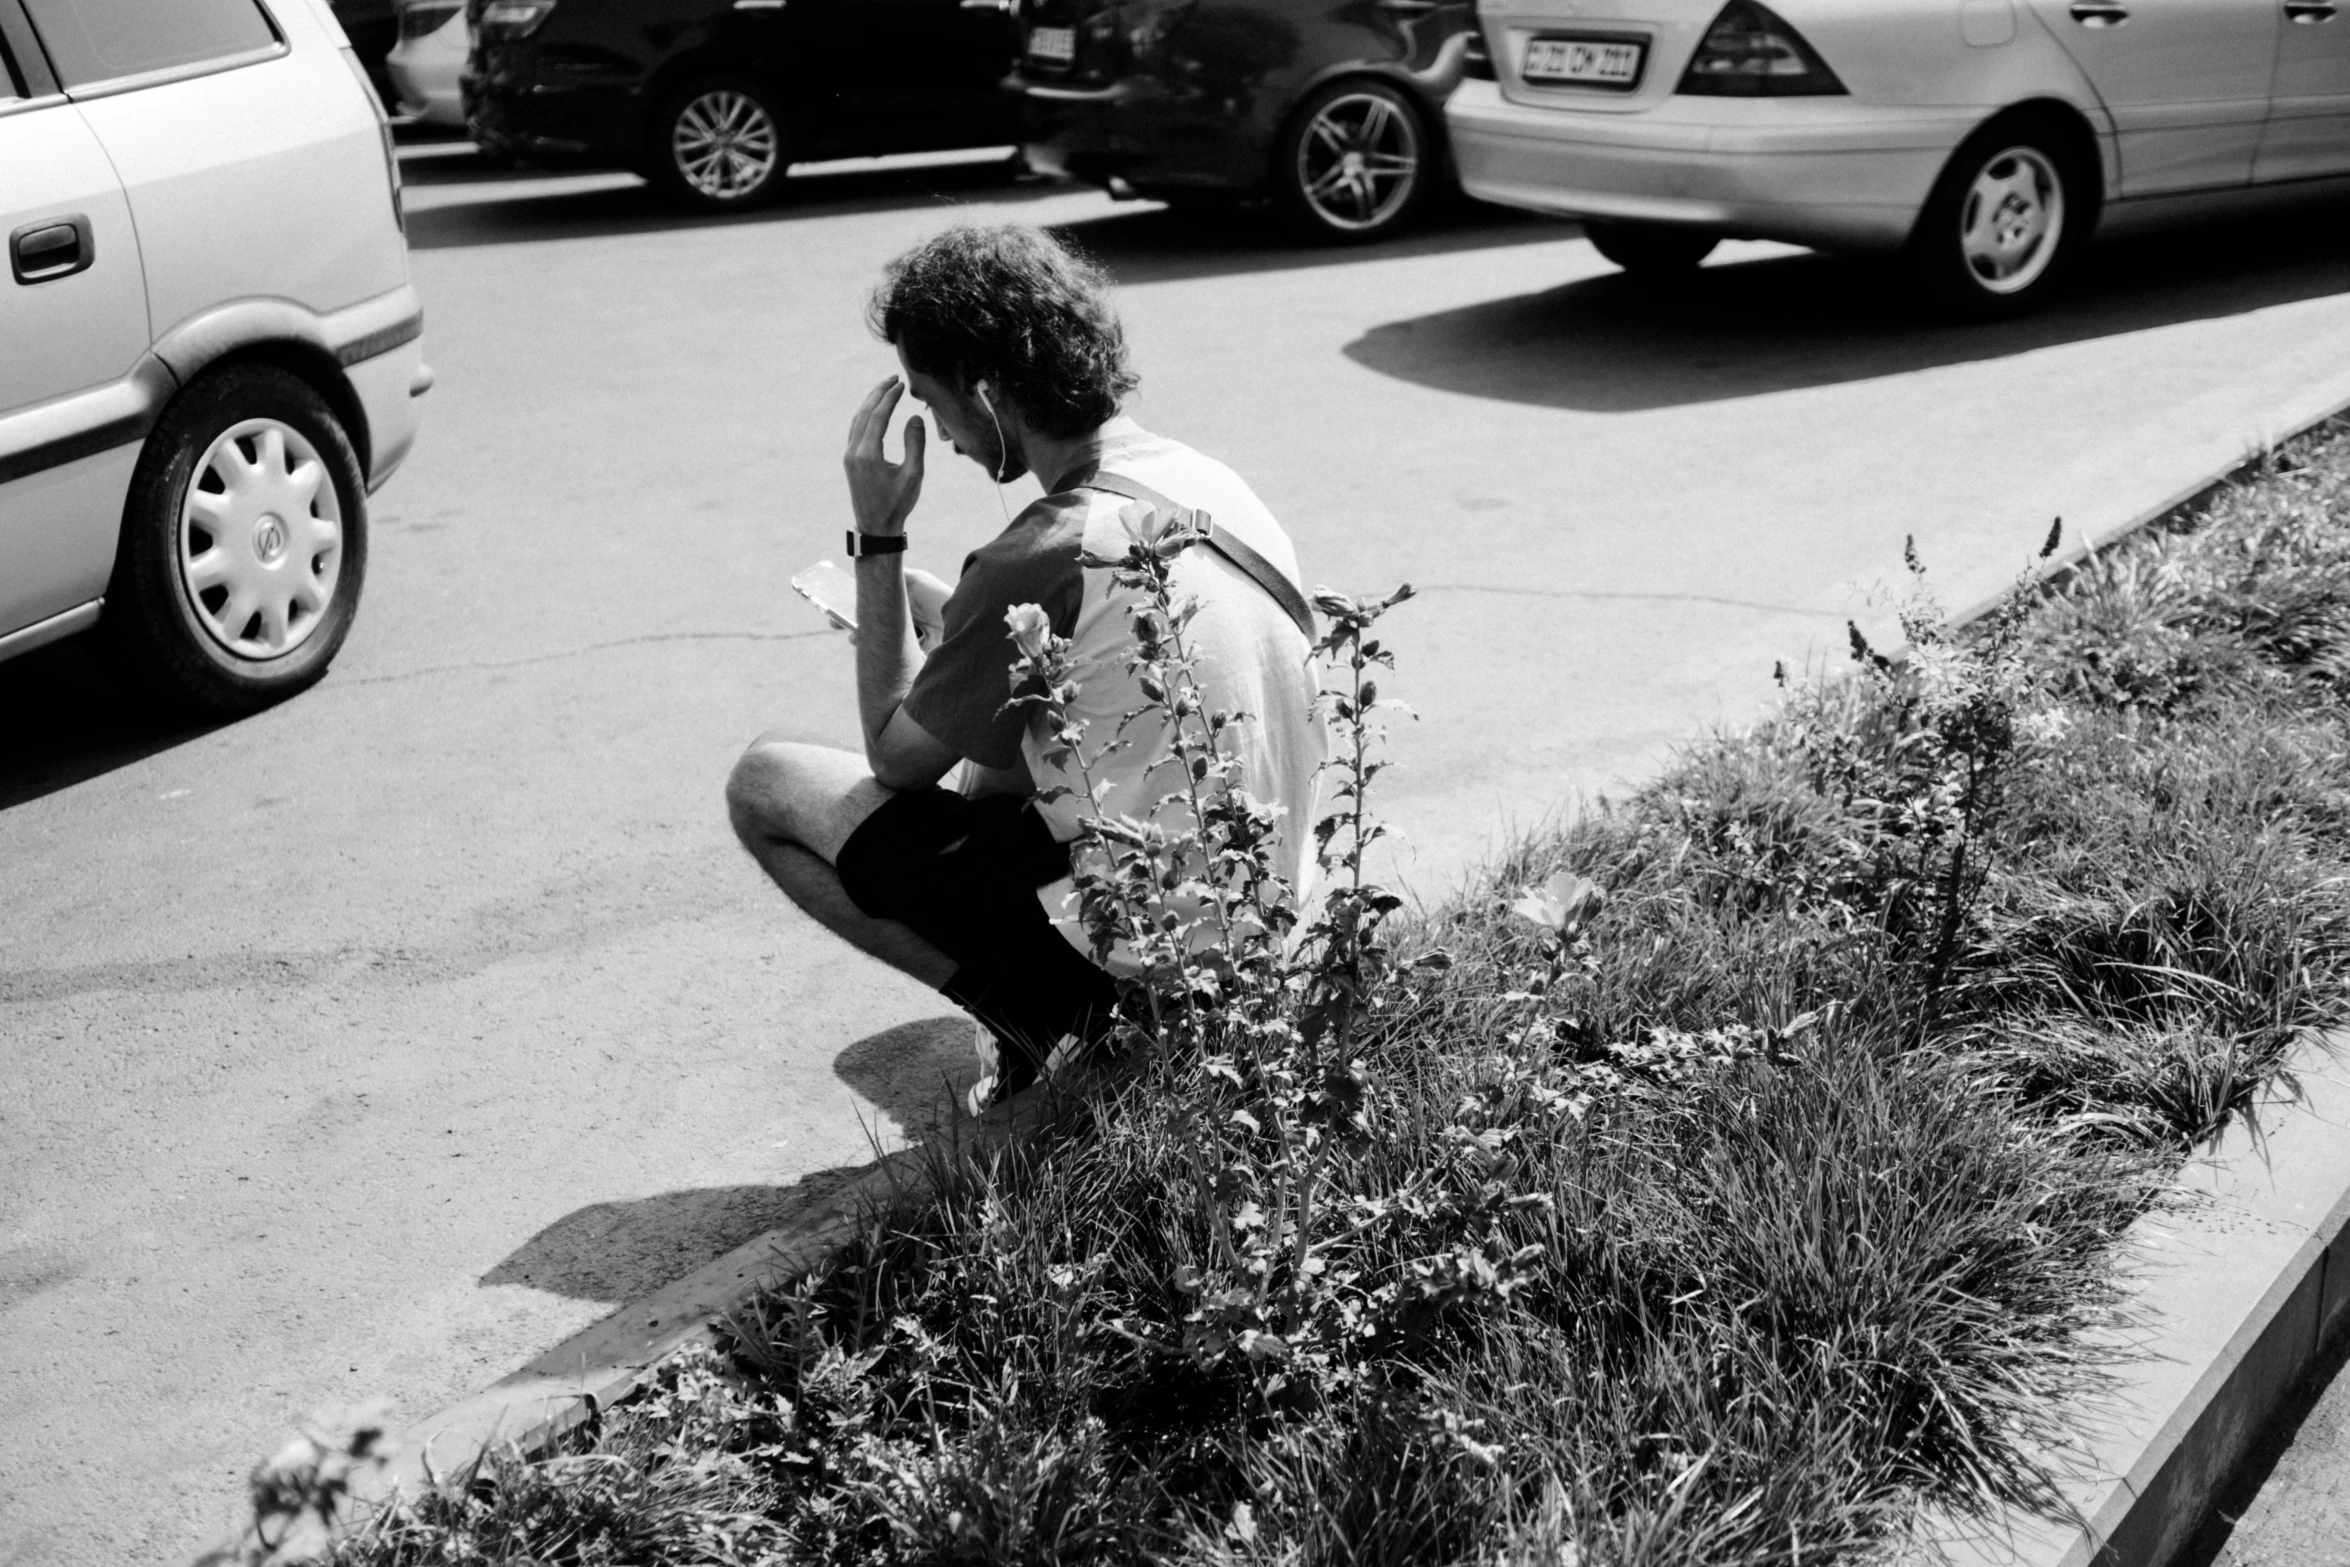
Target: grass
{"type": "Point", "coordinates": [1727, 1224]}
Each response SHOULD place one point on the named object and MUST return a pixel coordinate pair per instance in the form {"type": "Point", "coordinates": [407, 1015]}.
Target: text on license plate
{"type": "Point", "coordinates": [1586, 62]}
{"type": "Point", "coordinates": [1053, 43]}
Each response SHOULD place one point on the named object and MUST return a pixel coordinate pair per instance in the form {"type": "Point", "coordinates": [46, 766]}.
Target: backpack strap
{"type": "Point", "coordinates": [1223, 541]}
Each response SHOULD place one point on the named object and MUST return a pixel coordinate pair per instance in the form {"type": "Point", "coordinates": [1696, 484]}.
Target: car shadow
{"type": "Point", "coordinates": [1616, 344]}
{"type": "Point", "coordinates": [456, 162]}
{"type": "Point", "coordinates": [66, 718]}
{"type": "Point", "coordinates": [512, 212]}
{"type": "Point", "coordinates": [1153, 244]}
{"type": "Point", "coordinates": [622, 1251]}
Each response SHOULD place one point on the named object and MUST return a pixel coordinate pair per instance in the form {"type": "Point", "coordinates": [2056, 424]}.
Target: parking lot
{"type": "Point", "coordinates": [370, 1045]}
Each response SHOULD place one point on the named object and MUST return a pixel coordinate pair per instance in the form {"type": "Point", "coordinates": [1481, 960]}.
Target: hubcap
{"type": "Point", "coordinates": [1359, 161]}
{"type": "Point", "coordinates": [2013, 220]}
{"type": "Point", "coordinates": [260, 539]}
{"type": "Point", "coordinates": [725, 144]}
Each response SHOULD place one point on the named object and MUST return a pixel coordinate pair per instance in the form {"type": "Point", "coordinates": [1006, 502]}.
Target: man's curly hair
{"type": "Point", "coordinates": [1015, 307]}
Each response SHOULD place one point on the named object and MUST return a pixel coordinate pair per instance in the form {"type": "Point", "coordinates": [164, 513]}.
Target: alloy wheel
{"type": "Point", "coordinates": [725, 144]}
{"type": "Point", "coordinates": [260, 539]}
{"type": "Point", "coordinates": [1358, 162]}
{"type": "Point", "coordinates": [2012, 221]}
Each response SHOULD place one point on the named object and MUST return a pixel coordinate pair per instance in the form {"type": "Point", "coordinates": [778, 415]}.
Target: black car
{"type": "Point", "coordinates": [713, 99]}
{"type": "Point", "coordinates": [1332, 108]}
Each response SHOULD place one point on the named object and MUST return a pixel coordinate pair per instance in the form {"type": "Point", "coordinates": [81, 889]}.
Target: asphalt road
{"type": "Point", "coordinates": [369, 1046]}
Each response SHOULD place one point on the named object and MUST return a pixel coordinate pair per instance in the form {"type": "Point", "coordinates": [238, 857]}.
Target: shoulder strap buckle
{"type": "Point", "coordinates": [1223, 541]}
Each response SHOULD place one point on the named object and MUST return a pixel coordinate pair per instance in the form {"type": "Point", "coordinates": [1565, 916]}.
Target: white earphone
{"type": "Point", "coordinates": [1002, 454]}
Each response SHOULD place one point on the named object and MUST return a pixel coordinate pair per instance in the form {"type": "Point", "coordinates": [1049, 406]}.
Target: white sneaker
{"type": "Point", "coordinates": [990, 1052]}
{"type": "Point", "coordinates": [983, 1045]}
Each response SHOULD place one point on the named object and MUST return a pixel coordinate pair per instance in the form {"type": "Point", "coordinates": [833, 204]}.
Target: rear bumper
{"type": "Point", "coordinates": [425, 76]}
{"type": "Point", "coordinates": [521, 115]}
{"type": "Point", "coordinates": [1136, 131]}
{"type": "Point", "coordinates": [380, 346]}
{"type": "Point", "coordinates": [1813, 171]}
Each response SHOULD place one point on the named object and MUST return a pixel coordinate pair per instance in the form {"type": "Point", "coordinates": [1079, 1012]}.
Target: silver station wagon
{"type": "Point", "coordinates": [209, 348]}
{"type": "Point", "coordinates": [1987, 140]}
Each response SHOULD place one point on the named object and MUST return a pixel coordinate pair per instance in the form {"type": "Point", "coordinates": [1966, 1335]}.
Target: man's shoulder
{"type": "Point", "coordinates": [1038, 559]}
{"type": "Point", "coordinates": [1046, 536]}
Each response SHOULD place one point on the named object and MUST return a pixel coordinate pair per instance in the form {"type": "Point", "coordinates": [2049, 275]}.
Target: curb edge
{"type": "Point", "coordinates": [2213, 1353]}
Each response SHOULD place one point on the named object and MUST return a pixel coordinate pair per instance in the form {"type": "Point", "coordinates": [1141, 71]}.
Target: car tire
{"type": "Point", "coordinates": [1651, 249]}
{"type": "Point", "coordinates": [2010, 212]}
{"type": "Point", "coordinates": [244, 543]}
{"type": "Point", "coordinates": [1355, 163]}
{"type": "Point", "coordinates": [720, 144]}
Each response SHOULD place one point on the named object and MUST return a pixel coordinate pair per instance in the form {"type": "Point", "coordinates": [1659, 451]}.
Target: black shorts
{"type": "Point", "coordinates": [964, 874]}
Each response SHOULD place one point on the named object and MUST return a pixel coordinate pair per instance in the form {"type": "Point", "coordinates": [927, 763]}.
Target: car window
{"type": "Point", "coordinates": [96, 40]}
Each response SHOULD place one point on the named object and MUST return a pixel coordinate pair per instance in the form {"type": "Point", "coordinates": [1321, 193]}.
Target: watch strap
{"type": "Point", "coordinates": [861, 545]}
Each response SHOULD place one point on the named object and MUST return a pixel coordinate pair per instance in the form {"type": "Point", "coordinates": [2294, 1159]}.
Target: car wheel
{"type": "Point", "coordinates": [2004, 221]}
{"type": "Point", "coordinates": [720, 145]}
{"type": "Point", "coordinates": [244, 543]}
{"type": "Point", "coordinates": [1651, 249]}
{"type": "Point", "coordinates": [1355, 163]}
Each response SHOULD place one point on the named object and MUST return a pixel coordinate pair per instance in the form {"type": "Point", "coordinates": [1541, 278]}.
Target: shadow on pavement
{"type": "Point", "coordinates": [1612, 344]}
{"type": "Point", "coordinates": [65, 718]}
{"type": "Point", "coordinates": [623, 1251]}
{"type": "Point", "coordinates": [916, 1073]}
{"type": "Point", "coordinates": [1152, 244]}
{"type": "Point", "coordinates": [1141, 243]}
{"type": "Point", "coordinates": [518, 214]}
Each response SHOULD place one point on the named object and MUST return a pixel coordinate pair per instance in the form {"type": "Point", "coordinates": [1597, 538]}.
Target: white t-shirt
{"type": "Point", "coordinates": [1250, 657]}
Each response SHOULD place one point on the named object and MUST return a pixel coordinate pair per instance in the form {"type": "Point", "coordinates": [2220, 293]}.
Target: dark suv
{"type": "Point", "coordinates": [713, 99]}
{"type": "Point", "coordinates": [1332, 108]}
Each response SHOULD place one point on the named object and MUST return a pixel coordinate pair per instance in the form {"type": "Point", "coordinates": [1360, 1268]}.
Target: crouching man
{"type": "Point", "coordinates": [1011, 343]}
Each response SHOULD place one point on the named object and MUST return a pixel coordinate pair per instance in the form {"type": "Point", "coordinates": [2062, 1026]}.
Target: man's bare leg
{"type": "Point", "coordinates": [793, 806]}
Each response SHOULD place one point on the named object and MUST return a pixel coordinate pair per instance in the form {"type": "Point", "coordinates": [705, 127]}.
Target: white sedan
{"type": "Point", "coordinates": [1984, 139]}
{"type": "Point", "coordinates": [427, 61]}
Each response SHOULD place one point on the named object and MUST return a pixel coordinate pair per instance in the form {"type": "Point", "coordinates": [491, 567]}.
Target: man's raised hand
{"type": "Point", "coordinates": [882, 493]}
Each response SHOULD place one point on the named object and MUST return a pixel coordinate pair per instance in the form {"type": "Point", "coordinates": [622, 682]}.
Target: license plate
{"type": "Point", "coordinates": [1584, 62]}
{"type": "Point", "coordinates": [1053, 43]}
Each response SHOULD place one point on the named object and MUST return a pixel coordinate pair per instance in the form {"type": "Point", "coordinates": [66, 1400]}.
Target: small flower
{"type": "Point", "coordinates": [1029, 627]}
{"type": "Point", "coordinates": [1150, 527]}
{"type": "Point", "coordinates": [1565, 903]}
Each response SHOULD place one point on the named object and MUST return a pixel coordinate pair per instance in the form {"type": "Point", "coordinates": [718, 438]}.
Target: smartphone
{"type": "Point", "coordinates": [831, 590]}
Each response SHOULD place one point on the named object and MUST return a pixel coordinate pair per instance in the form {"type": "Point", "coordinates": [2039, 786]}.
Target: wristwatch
{"type": "Point", "coordinates": [864, 544]}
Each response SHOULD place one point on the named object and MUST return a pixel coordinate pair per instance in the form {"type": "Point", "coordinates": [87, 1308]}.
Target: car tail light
{"type": "Point", "coordinates": [514, 18]}
{"type": "Point", "coordinates": [1750, 53]}
{"type": "Point", "coordinates": [383, 128]}
{"type": "Point", "coordinates": [1477, 59]}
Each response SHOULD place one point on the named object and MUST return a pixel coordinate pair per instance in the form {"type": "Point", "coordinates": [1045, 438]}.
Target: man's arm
{"type": "Point", "coordinates": [902, 754]}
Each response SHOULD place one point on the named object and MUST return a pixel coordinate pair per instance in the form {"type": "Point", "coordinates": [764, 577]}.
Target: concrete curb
{"type": "Point", "coordinates": [2297, 421]}
{"type": "Point", "coordinates": [2238, 1282]}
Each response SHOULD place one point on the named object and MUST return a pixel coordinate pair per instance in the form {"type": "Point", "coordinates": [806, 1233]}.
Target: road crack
{"type": "Point", "coordinates": [1596, 595]}
{"type": "Point", "coordinates": [478, 665]}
